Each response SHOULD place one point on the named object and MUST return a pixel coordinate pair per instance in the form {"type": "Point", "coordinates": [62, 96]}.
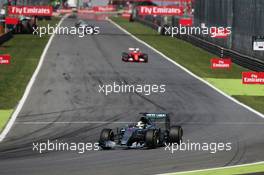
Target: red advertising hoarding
{"type": "Point", "coordinates": [5, 59]}
{"type": "Point", "coordinates": [219, 63]}
{"type": "Point", "coordinates": [220, 32]}
{"type": "Point", "coordinates": [13, 21]}
{"type": "Point", "coordinates": [30, 10]}
{"type": "Point", "coordinates": [253, 77]}
{"type": "Point", "coordinates": [161, 10]}
{"type": "Point", "coordinates": [186, 21]}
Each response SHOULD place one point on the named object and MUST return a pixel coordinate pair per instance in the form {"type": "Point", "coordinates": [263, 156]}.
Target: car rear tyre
{"type": "Point", "coordinates": [152, 138]}
{"type": "Point", "coordinates": [175, 134]}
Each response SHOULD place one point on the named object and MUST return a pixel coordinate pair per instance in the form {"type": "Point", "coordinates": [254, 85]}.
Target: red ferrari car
{"type": "Point", "coordinates": [134, 55]}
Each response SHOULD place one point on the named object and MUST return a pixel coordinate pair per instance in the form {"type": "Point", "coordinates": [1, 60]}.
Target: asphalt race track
{"type": "Point", "coordinates": [65, 98]}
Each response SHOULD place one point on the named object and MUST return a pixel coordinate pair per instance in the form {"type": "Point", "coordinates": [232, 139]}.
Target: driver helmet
{"type": "Point", "coordinates": [136, 50]}
{"type": "Point", "coordinates": [140, 124]}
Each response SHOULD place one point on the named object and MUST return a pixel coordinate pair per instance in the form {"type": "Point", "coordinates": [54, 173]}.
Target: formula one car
{"type": "Point", "coordinates": [151, 131]}
{"type": "Point", "coordinates": [134, 55]}
{"type": "Point", "coordinates": [89, 29]}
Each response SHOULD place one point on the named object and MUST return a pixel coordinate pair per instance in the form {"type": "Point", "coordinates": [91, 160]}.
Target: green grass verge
{"type": "Point", "coordinates": [235, 87]}
{"type": "Point", "coordinates": [25, 51]}
{"type": "Point", "coordinates": [4, 117]}
{"type": "Point", "coordinates": [198, 61]}
{"type": "Point", "coordinates": [256, 168]}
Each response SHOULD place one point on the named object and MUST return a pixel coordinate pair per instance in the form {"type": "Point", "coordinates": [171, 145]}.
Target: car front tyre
{"type": "Point", "coordinates": [152, 138]}
{"type": "Point", "coordinates": [106, 135]}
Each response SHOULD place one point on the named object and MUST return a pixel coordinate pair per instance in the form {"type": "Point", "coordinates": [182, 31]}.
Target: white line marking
{"type": "Point", "coordinates": [189, 72]}
{"type": "Point", "coordinates": [212, 169]}
{"type": "Point", "coordinates": [28, 88]}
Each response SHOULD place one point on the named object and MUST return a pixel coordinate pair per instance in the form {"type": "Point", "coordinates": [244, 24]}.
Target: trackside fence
{"type": "Point", "coordinates": [246, 17]}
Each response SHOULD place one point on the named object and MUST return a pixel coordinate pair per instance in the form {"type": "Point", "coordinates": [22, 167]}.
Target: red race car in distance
{"type": "Point", "coordinates": [134, 55]}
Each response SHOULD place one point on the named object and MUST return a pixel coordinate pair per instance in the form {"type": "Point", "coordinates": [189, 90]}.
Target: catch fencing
{"type": "Point", "coordinates": [246, 17]}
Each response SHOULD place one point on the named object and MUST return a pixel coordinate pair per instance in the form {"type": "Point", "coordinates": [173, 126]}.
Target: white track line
{"type": "Point", "coordinates": [202, 80]}
{"type": "Point", "coordinates": [28, 88]}
{"type": "Point", "coordinates": [189, 72]}
{"type": "Point", "coordinates": [212, 169]}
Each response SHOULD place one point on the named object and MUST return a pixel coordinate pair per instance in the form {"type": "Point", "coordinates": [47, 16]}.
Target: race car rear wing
{"type": "Point", "coordinates": [158, 118]}
{"type": "Point", "coordinates": [133, 49]}
{"type": "Point", "coordinates": [154, 115]}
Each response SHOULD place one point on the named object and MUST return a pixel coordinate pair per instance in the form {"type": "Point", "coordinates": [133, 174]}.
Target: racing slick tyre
{"type": "Point", "coordinates": [152, 138]}
{"type": "Point", "coordinates": [145, 57]}
{"type": "Point", "coordinates": [175, 134]}
{"type": "Point", "coordinates": [125, 56]}
{"type": "Point", "coordinates": [106, 135]}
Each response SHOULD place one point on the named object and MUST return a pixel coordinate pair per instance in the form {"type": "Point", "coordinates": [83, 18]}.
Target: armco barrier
{"type": "Point", "coordinates": [238, 58]}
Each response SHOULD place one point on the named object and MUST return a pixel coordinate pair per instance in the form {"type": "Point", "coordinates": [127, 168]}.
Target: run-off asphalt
{"type": "Point", "coordinates": [66, 90]}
